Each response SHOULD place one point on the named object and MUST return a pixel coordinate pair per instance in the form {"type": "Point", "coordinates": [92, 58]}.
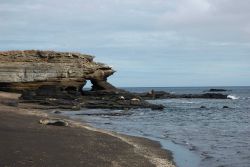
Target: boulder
{"type": "Point", "coordinates": [225, 107]}
{"type": "Point", "coordinates": [203, 107]}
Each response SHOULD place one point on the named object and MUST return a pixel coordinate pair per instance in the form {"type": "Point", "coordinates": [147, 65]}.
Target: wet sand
{"type": "Point", "coordinates": [25, 142]}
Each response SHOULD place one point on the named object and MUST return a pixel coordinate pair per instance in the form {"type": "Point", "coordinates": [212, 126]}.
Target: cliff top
{"type": "Point", "coordinates": [43, 56]}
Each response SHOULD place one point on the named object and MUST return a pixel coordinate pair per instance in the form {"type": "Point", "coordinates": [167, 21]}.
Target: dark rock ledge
{"type": "Point", "coordinates": [165, 95]}
{"type": "Point", "coordinates": [56, 80]}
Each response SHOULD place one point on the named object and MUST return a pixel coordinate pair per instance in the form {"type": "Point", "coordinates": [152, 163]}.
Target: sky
{"type": "Point", "coordinates": [148, 42]}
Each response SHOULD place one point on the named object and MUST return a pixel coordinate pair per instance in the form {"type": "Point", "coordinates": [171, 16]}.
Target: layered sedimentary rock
{"type": "Point", "coordinates": [22, 71]}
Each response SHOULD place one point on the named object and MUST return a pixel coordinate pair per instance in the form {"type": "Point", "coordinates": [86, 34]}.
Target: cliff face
{"type": "Point", "coordinates": [62, 71]}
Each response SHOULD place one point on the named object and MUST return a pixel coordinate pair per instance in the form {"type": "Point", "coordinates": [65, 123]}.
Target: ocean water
{"type": "Point", "coordinates": [198, 137]}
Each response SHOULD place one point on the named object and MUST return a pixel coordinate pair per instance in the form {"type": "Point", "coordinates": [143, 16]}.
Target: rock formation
{"type": "Point", "coordinates": [217, 90]}
{"type": "Point", "coordinates": [167, 95]}
{"type": "Point", "coordinates": [55, 80]}
{"type": "Point", "coordinates": [49, 71]}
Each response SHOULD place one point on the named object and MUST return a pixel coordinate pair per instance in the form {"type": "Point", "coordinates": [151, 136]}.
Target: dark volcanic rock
{"type": "Point", "coordinates": [57, 112]}
{"type": "Point", "coordinates": [113, 100]}
{"type": "Point", "coordinates": [209, 96]}
{"type": "Point", "coordinates": [166, 95]}
{"type": "Point", "coordinates": [216, 90]}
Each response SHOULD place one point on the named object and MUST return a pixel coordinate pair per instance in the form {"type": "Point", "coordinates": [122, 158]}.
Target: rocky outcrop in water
{"type": "Point", "coordinates": [166, 95]}
{"type": "Point", "coordinates": [217, 90]}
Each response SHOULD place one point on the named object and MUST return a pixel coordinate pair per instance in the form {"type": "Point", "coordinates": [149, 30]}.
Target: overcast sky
{"type": "Point", "coordinates": [148, 42]}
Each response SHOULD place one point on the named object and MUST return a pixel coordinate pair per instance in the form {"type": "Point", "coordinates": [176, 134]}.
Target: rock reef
{"type": "Point", "coordinates": [217, 90]}
{"type": "Point", "coordinates": [166, 95]}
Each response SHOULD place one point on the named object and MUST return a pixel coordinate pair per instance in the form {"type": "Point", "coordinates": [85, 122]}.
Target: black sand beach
{"type": "Point", "coordinates": [25, 142]}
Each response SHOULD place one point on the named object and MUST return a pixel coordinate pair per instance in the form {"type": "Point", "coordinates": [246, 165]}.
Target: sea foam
{"type": "Point", "coordinates": [232, 97]}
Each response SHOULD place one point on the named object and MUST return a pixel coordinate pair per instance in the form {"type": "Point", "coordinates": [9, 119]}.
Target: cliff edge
{"type": "Point", "coordinates": [32, 69]}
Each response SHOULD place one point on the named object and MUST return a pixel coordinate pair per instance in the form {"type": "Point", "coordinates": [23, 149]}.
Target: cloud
{"type": "Point", "coordinates": [209, 19]}
{"type": "Point", "coordinates": [147, 36]}
{"type": "Point", "coordinates": [187, 12]}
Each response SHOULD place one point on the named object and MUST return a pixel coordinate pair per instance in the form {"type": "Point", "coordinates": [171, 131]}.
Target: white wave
{"type": "Point", "coordinates": [187, 102]}
{"type": "Point", "coordinates": [232, 97]}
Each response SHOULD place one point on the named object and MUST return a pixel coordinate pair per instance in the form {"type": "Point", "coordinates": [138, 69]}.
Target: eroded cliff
{"type": "Point", "coordinates": [64, 71]}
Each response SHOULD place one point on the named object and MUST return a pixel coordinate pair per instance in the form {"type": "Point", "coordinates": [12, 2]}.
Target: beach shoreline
{"type": "Point", "coordinates": [25, 142]}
